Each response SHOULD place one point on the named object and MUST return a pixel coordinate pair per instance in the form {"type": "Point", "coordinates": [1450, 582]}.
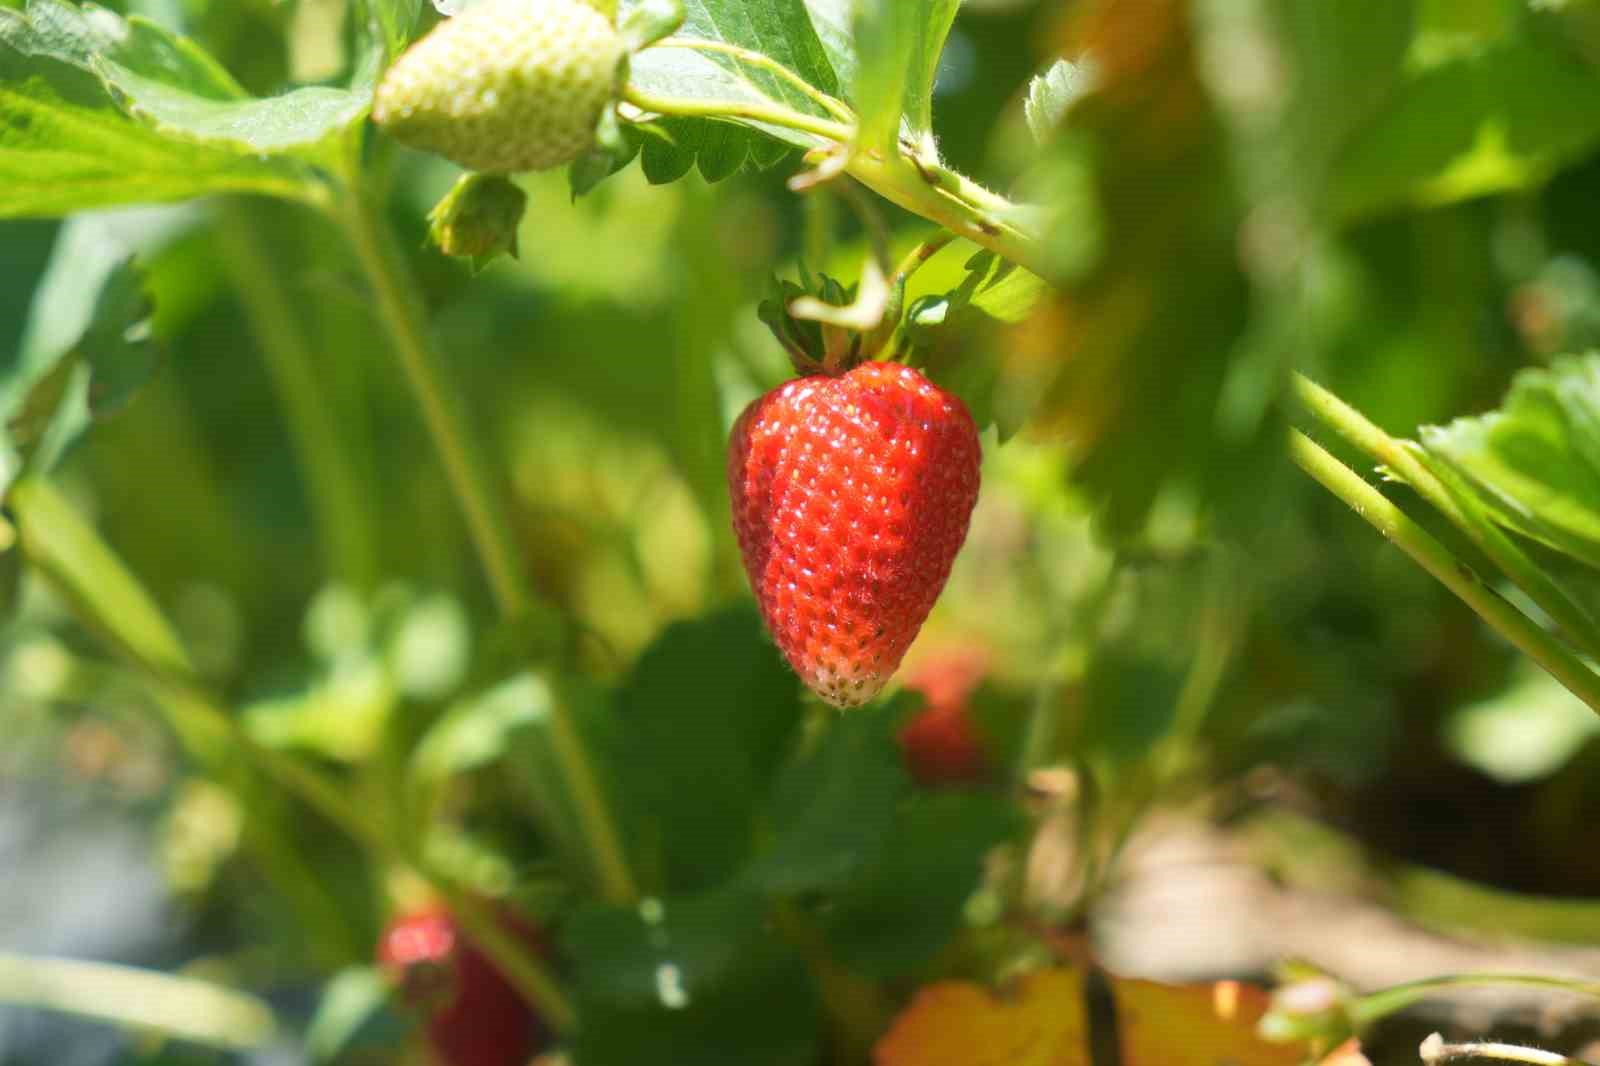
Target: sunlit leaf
{"type": "Point", "coordinates": [1495, 119]}
{"type": "Point", "coordinates": [63, 148]}
{"type": "Point", "coordinates": [171, 82]}
{"type": "Point", "coordinates": [783, 31]}
{"type": "Point", "coordinates": [1536, 460]}
{"type": "Point", "coordinates": [900, 44]}
{"type": "Point", "coordinates": [1051, 93]}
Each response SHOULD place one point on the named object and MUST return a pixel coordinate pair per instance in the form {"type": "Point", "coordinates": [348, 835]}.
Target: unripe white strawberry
{"type": "Point", "coordinates": [505, 86]}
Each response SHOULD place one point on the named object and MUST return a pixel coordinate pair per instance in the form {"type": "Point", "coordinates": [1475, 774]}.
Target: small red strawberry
{"type": "Point", "coordinates": [941, 743]}
{"type": "Point", "coordinates": [851, 497]}
{"type": "Point", "coordinates": [475, 1016]}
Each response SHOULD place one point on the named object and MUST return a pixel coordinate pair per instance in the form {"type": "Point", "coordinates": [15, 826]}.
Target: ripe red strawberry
{"type": "Point", "coordinates": [851, 496]}
{"type": "Point", "coordinates": [475, 1016]}
{"type": "Point", "coordinates": [941, 744]}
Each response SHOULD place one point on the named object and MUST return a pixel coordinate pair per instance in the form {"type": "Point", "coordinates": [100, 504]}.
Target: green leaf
{"type": "Point", "coordinates": [63, 148]}
{"type": "Point", "coordinates": [831, 20]}
{"type": "Point", "coordinates": [1495, 119]}
{"type": "Point", "coordinates": [882, 926]}
{"type": "Point", "coordinates": [1050, 95]}
{"type": "Point", "coordinates": [1342, 68]}
{"type": "Point", "coordinates": [171, 82]}
{"type": "Point", "coordinates": [479, 731]}
{"type": "Point", "coordinates": [395, 20]}
{"type": "Point", "coordinates": [710, 708]}
{"type": "Point", "coordinates": [353, 1013]}
{"type": "Point", "coordinates": [833, 809]}
{"type": "Point", "coordinates": [781, 30]}
{"type": "Point", "coordinates": [1524, 733]}
{"type": "Point", "coordinates": [1536, 460]}
{"type": "Point", "coordinates": [955, 334]}
{"type": "Point", "coordinates": [298, 121]}
{"type": "Point", "coordinates": [90, 342]}
{"type": "Point", "coordinates": [82, 37]}
{"type": "Point", "coordinates": [900, 44]}
{"type": "Point", "coordinates": [703, 981]}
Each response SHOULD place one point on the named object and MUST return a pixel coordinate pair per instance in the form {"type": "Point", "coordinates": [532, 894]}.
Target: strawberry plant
{"type": "Point", "coordinates": [502, 452]}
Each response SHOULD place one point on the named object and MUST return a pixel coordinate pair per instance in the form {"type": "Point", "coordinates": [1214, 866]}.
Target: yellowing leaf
{"type": "Point", "coordinates": [1037, 1022]}
{"type": "Point", "coordinates": [1041, 1021]}
{"type": "Point", "coordinates": [1196, 1025]}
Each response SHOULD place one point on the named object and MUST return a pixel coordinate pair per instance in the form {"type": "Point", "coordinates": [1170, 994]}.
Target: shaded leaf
{"type": "Point", "coordinates": [90, 344]}
{"type": "Point", "coordinates": [833, 809]}
{"type": "Point", "coordinates": [882, 926]}
{"type": "Point", "coordinates": [709, 709]}
{"type": "Point", "coordinates": [1144, 334]}
{"type": "Point", "coordinates": [702, 981]}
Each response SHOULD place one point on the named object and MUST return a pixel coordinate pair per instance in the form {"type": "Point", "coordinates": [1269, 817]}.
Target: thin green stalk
{"type": "Point", "coordinates": [401, 311]}
{"type": "Point", "coordinates": [1377, 1005]}
{"type": "Point", "coordinates": [68, 553]}
{"type": "Point", "coordinates": [1398, 456]}
{"type": "Point", "coordinates": [1434, 557]}
{"type": "Point", "coordinates": [771, 114]}
{"type": "Point", "coordinates": [828, 103]}
{"type": "Point", "coordinates": [341, 502]}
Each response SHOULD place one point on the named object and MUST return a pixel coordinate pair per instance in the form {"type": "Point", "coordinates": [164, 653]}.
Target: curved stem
{"type": "Point", "coordinates": [906, 186]}
{"type": "Point", "coordinates": [751, 111]}
{"type": "Point", "coordinates": [1399, 457]}
{"type": "Point", "coordinates": [400, 309]}
{"type": "Point", "coordinates": [1434, 557]}
{"type": "Point", "coordinates": [1376, 1005]}
{"type": "Point", "coordinates": [338, 491]}
{"type": "Point", "coordinates": [921, 254]}
{"type": "Point", "coordinates": [833, 106]}
{"type": "Point", "coordinates": [476, 489]}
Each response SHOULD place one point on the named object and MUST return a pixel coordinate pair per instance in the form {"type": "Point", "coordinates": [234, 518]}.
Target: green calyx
{"type": "Point", "coordinates": [478, 219]}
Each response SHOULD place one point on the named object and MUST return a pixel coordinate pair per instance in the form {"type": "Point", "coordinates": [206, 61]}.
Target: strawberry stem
{"type": "Point", "coordinates": [830, 104]}
{"type": "Point", "coordinates": [477, 491]}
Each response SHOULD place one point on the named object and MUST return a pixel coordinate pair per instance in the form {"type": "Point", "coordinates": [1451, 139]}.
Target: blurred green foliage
{"type": "Point", "coordinates": [1396, 198]}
